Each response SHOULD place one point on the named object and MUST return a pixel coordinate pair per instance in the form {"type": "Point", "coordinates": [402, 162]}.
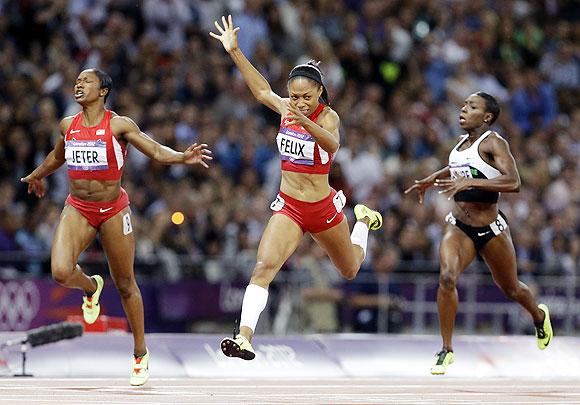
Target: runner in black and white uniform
{"type": "Point", "coordinates": [465, 161]}
{"type": "Point", "coordinates": [481, 166]}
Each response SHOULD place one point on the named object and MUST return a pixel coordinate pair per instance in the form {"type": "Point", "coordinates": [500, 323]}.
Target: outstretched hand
{"type": "Point", "coordinates": [450, 187]}
{"type": "Point", "coordinates": [35, 185]}
{"type": "Point", "coordinates": [197, 154]}
{"type": "Point", "coordinates": [421, 186]}
{"type": "Point", "coordinates": [228, 35]}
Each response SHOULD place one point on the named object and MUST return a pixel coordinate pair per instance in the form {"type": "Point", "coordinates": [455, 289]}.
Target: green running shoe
{"type": "Point", "coordinates": [444, 358]}
{"type": "Point", "coordinates": [140, 370]}
{"type": "Point", "coordinates": [375, 218]}
{"type": "Point", "coordinates": [544, 333]}
{"type": "Point", "coordinates": [91, 307]}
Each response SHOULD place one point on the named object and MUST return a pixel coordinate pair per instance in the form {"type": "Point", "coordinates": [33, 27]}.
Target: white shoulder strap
{"type": "Point", "coordinates": [463, 138]}
{"type": "Point", "coordinates": [481, 138]}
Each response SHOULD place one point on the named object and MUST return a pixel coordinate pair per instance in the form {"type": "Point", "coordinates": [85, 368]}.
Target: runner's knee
{"type": "Point", "coordinates": [126, 286]}
{"type": "Point", "coordinates": [447, 279]}
{"type": "Point", "coordinates": [61, 272]}
{"type": "Point", "coordinates": [264, 272]}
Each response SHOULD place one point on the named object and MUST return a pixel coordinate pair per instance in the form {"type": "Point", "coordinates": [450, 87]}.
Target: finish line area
{"type": "Point", "coordinates": [45, 391]}
{"type": "Point", "coordinates": [306, 369]}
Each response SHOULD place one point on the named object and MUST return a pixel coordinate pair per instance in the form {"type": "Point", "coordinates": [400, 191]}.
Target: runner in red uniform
{"type": "Point", "coordinates": [93, 144]}
{"type": "Point", "coordinates": [307, 140]}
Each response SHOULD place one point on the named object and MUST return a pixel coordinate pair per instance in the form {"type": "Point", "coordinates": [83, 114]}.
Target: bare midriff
{"type": "Point", "coordinates": [305, 186]}
{"type": "Point", "coordinates": [95, 190]}
{"type": "Point", "coordinates": [475, 213]}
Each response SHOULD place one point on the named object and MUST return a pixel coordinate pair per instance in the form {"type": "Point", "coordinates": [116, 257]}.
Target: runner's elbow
{"type": "Point", "coordinates": [262, 95]}
{"type": "Point", "coordinates": [332, 147]}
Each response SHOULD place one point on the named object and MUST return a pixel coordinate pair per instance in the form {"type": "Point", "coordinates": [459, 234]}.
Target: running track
{"type": "Point", "coordinates": [435, 390]}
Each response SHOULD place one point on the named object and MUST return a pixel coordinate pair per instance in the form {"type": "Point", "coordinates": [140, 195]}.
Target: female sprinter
{"type": "Point", "coordinates": [481, 166]}
{"type": "Point", "coordinates": [93, 143]}
{"type": "Point", "coordinates": [307, 141]}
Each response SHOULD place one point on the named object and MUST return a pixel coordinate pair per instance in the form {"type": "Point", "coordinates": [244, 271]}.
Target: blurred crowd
{"type": "Point", "coordinates": [397, 72]}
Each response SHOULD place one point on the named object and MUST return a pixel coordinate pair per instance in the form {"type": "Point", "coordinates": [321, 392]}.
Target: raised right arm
{"type": "Point", "coordinates": [259, 86]}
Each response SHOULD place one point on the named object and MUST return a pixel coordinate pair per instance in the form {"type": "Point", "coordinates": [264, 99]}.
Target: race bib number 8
{"type": "Point", "coordinates": [277, 204]}
{"type": "Point", "coordinates": [127, 227]}
{"type": "Point", "coordinates": [339, 201]}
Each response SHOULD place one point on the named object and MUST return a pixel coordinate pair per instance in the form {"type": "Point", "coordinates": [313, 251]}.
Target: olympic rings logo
{"type": "Point", "coordinates": [19, 304]}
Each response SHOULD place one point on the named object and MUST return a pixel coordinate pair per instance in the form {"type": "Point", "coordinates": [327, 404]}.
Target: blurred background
{"type": "Point", "coordinates": [397, 72]}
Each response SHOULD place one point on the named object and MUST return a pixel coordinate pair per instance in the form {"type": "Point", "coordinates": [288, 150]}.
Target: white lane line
{"type": "Point", "coordinates": [67, 393]}
{"type": "Point", "coordinates": [350, 396]}
{"type": "Point", "coordinates": [257, 384]}
{"type": "Point", "coordinates": [478, 401]}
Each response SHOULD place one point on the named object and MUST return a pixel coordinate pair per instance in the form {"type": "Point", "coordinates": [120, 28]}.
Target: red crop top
{"type": "Point", "coordinates": [93, 153]}
{"type": "Point", "coordinates": [299, 151]}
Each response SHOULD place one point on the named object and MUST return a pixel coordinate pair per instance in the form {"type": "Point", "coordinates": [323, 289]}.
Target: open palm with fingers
{"type": "Point", "coordinates": [35, 186]}
{"type": "Point", "coordinates": [197, 154]}
{"type": "Point", "coordinates": [421, 186]}
{"type": "Point", "coordinates": [450, 187]}
{"type": "Point", "coordinates": [228, 35]}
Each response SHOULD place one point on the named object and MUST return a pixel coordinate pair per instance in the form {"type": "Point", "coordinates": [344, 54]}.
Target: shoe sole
{"type": "Point", "coordinates": [139, 384]}
{"type": "Point", "coordinates": [440, 369]}
{"type": "Point", "coordinates": [98, 291]}
{"type": "Point", "coordinates": [377, 223]}
{"type": "Point", "coordinates": [231, 349]}
{"type": "Point", "coordinates": [97, 305]}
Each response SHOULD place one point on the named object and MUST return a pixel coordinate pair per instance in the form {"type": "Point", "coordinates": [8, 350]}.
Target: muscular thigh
{"type": "Point", "coordinates": [456, 251]}
{"type": "Point", "coordinates": [279, 240]}
{"type": "Point", "coordinates": [73, 235]}
{"type": "Point", "coordinates": [500, 256]}
{"type": "Point", "coordinates": [336, 243]}
{"type": "Point", "coordinates": [118, 240]}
